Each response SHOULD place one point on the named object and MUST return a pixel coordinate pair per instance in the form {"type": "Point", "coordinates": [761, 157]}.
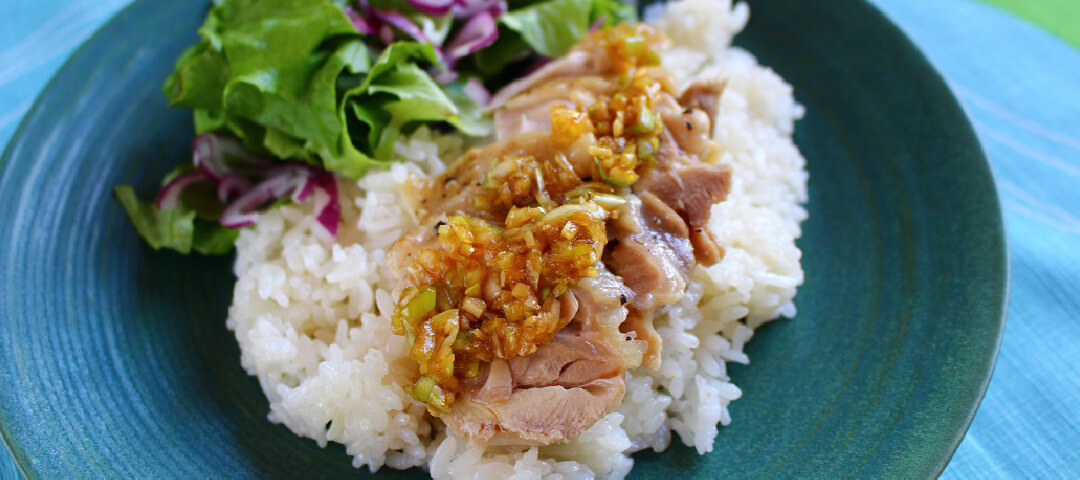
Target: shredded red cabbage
{"type": "Point", "coordinates": [232, 185]}
{"type": "Point", "coordinates": [169, 196]}
{"type": "Point", "coordinates": [402, 23]}
{"type": "Point", "coordinates": [479, 32]}
{"type": "Point", "coordinates": [246, 183]}
{"type": "Point", "coordinates": [468, 8]}
{"type": "Point", "coordinates": [328, 213]}
{"type": "Point", "coordinates": [361, 24]}
{"type": "Point", "coordinates": [301, 194]}
{"type": "Point", "coordinates": [207, 156]}
{"type": "Point", "coordinates": [598, 23]}
{"type": "Point", "coordinates": [243, 211]}
{"type": "Point", "coordinates": [435, 8]}
{"type": "Point", "coordinates": [476, 91]}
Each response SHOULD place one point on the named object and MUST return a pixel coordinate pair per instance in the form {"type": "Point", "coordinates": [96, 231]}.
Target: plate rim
{"type": "Point", "coordinates": [11, 454]}
{"type": "Point", "coordinates": [1003, 256]}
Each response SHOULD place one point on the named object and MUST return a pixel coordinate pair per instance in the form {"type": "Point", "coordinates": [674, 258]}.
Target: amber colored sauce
{"type": "Point", "coordinates": [494, 291]}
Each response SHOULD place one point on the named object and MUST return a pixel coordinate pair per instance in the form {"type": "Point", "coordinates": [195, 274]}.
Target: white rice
{"type": "Point", "coordinates": [311, 314]}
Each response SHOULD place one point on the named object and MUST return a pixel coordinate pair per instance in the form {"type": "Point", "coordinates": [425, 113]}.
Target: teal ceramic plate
{"type": "Point", "coordinates": [115, 361]}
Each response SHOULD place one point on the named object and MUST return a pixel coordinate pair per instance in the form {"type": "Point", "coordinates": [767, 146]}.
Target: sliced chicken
{"type": "Point", "coordinates": [560, 390]}
{"type": "Point", "coordinates": [499, 414]}
{"type": "Point", "coordinates": [570, 361]}
{"type": "Point", "coordinates": [453, 192]}
{"type": "Point", "coordinates": [691, 191]}
{"type": "Point", "coordinates": [650, 251]}
{"type": "Point", "coordinates": [576, 63]}
{"type": "Point", "coordinates": [531, 110]}
{"type": "Point", "coordinates": [704, 96]}
{"type": "Point", "coordinates": [569, 383]}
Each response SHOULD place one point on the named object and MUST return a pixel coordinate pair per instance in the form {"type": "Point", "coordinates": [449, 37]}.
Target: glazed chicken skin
{"type": "Point", "coordinates": [530, 286]}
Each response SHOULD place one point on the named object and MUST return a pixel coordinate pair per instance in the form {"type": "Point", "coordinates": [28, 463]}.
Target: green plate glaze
{"type": "Point", "coordinates": [115, 361]}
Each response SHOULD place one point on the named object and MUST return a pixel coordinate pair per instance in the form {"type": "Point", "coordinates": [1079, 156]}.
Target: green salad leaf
{"type": "Point", "coordinates": [613, 12]}
{"type": "Point", "coordinates": [398, 53]}
{"type": "Point", "coordinates": [507, 49]}
{"type": "Point", "coordinates": [211, 238]}
{"type": "Point", "coordinates": [550, 27]}
{"type": "Point", "coordinates": [177, 229]}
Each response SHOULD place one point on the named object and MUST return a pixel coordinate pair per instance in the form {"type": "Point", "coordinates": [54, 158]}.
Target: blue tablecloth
{"type": "Point", "coordinates": [1021, 88]}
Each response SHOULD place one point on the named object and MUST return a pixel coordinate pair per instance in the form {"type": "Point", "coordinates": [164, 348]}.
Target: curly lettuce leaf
{"type": "Point", "coordinates": [292, 78]}
{"type": "Point", "coordinates": [199, 79]}
{"type": "Point", "coordinates": [397, 93]}
{"type": "Point", "coordinates": [417, 97]}
{"type": "Point", "coordinates": [267, 72]}
{"type": "Point", "coordinates": [399, 53]}
{"type": "Point", "coordinates": [309, 117]}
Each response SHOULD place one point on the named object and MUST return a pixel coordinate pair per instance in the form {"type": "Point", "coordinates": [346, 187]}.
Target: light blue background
{"type": "Point", "coordinates": [1021, 88]}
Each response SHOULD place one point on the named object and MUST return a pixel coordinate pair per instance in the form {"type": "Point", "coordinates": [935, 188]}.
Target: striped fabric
{"type": "Point", "coordinates": [1021, 88]}
{"type": "Point", "coordinates": [36, 36]}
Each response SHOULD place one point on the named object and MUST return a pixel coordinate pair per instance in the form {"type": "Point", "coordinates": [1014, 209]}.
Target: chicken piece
{"type": "Point", "coordinates": [689, 128]}
{"type": "Point", "coordinates": [453, 192]}
{"type": "Point", "coordinates": [561, 389]}
{"type": "Point", "coordinates": [602, 310]}
{"type": "Point", "coordinates": [652, 261]}
{"type": "Point", "coordinates": [707, 250]}
{"type": "Point", "coordinates": [530, 111]}
{"type": "Point", "coordinates": [499, 414]}
{"type": "Point", "coordinates": [577, 62]}
{"type": "Point", "coordinates": [657, 238]}
{"type": "Point", "coordinates": [650, 251]}
{"type": "Point", "coordinates": [660, 217]}
{"type": "Point", "coordinates": [704, 96]}
{"type": "Point", "coordinates": [569, 361]}
{"type": "Point", "coordinates": [691, 190]}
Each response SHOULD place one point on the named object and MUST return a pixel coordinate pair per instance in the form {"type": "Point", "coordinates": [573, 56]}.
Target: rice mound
{"type": "Point", "coordinates": [312, 314]}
